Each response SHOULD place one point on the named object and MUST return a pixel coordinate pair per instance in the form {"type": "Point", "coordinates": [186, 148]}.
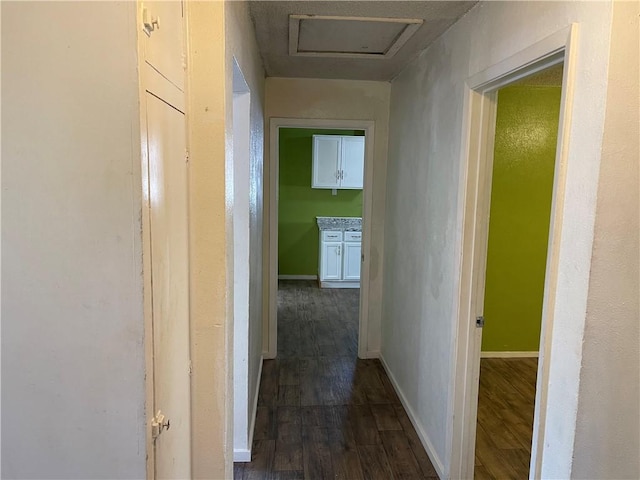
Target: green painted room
{"type": "Point", "coordinates": [299, 204]}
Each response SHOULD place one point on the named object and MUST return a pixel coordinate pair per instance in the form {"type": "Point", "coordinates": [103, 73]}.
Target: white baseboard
{"type": "Point", "coordinates": [297, 277]}
{"type": "Point", "coordinates": [508, 354]}
{"type": "Point", "coordinates": [370, 354]}
{"type": "Point", "coordinates": [330, 284]}
{"type": "Point", "coordinates": [242, 454]}
{"type": "Point", "coordinates": [424, 438]}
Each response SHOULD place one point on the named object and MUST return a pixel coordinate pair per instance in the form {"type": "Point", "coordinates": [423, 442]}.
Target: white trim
{"type": "Point", "coordinates": [422, 435]}
{"type": "Point", "coordinates": [339, 284]}
{"type": "Point", "coordinates": [241, 454]}
{"type": "Point", "coordinates": [411, 27]}
{"type": "Point", "coordinates": [297, 277]}
{"type": "Point", "coordinates": [508, 354]}
{"type": "Point", "coordinates": [475, 187]}
{"type": "Point", "coordinates": [272, 207]}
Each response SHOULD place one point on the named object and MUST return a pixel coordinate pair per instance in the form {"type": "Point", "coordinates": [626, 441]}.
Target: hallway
{"type": "Point", "coordinates": [322, 413]}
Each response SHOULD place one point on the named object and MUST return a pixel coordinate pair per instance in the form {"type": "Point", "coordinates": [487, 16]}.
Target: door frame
{"type": "Point", "coordinates": [480, 106]}
{"type": "Point", "coordinates": [275, 123]}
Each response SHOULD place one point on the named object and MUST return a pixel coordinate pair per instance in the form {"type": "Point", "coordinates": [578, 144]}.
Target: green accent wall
{"type": "Point", "coordinates": [523, 168]}
{"type": "Point", "coordinates": [299, 204]}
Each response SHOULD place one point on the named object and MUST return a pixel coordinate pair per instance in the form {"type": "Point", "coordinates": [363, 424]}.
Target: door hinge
{"type": "Point", "coordinates": [190, 368]}
{"type": "Point", "coordinates": [184, 61]}
{"type": "Point", "coordinates": [362, 257]}
{"type": "Point", "coordinates": [186, 156]}
{"type": "Point", "coordinates": [480, 321]}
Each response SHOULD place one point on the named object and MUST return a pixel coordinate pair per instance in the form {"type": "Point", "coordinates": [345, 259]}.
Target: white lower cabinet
{"type": "Point", "coordinates": [340, 258]}
{"type": "Point", "coordinates": [351, 261]}
{"type": "Point", "coordinates": [331, 263]}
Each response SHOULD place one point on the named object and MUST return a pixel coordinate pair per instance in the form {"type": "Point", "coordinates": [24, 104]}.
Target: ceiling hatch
{"type": "Point", "coordinates": [353, 37]}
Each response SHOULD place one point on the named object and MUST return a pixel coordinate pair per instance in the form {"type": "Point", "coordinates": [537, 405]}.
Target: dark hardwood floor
{"type": "Point", "coordinates": [322, 413]}
{"type": "Point", "coordinates": [505, 417]}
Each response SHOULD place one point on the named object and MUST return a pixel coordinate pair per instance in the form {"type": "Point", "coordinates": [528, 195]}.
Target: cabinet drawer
{"type": "Point", "coordinates": [352, 236]}
{"type": "Point", "coordinates": [331, 236]}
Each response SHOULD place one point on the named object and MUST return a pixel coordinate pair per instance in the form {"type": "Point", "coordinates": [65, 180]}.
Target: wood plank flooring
{"type": "Point", "coordinates": [505, 417]}
{"type": "Point", "coordinates": [322, 413]}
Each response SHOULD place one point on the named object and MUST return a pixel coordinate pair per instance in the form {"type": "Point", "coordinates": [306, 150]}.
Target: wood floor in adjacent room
{"type": "Point", "coordinates": [505, 417]}
{"type": "Point", "coordinates": [322, 413]}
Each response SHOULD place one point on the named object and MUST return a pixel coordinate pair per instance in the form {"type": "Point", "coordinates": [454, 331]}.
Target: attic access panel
{"type": "Point", "coordinates": [352, 37]}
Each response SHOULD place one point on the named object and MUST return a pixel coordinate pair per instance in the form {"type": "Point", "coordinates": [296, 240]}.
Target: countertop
{"type": "Point", "coordinates": [345, 224]}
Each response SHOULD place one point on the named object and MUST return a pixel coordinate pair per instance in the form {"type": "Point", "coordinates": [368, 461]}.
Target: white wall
{"type": "Point", "coordinates": [424, 212]}
{"type": "Point", "coordinates": [607, 441]}
{"type": "Point", "coordinates": [241, 45]}
{"type": "Point", "coordinates": [72, 319]}
{"type": "Point", "coordinates": [343, 100]}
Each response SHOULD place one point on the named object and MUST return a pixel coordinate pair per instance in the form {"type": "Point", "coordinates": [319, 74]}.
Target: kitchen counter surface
{"type": "Point", "coordinates": [345, 224]}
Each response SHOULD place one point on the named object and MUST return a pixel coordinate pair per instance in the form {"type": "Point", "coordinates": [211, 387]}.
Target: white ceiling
{"type": "Point", "coordinates": [271, 20]}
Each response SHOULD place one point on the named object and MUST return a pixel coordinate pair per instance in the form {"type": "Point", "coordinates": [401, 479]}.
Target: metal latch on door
{"type": "Point", "coordinates": [158, 424]}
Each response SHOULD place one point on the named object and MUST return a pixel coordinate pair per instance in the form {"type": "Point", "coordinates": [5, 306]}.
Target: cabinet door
{"type": "Point", "coordinates": [331, 261]}
{"type": "Point", "coordinates": [352, 174]}
{"type": "Point", "coordinates": [351, 265]}
{"type": "Point", "coordinates": [164, 39]}
{"type": "Point", "coordinates": [326, 160]}
{"type": "Point", "coordinates": [168, 183]}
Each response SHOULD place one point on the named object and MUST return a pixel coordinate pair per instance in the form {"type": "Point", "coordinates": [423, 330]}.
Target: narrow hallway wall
{"type": "Point", "coordinates": [73, 396]}
{"type": "Point", "coordinates": [424, 214]}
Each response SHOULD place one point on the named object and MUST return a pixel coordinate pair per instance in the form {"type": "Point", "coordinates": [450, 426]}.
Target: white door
{"type": "Point", "coordinates": [331, 261]}
{"type": "Point", "coordinates": [163, 121]}
{"type": "Point", "coordinates": [352, 167]}
{"type": "Point", "coordinates": [351, 261]}
{"type": "Point", "coordinates": [170, 285]}
{"type": "Point", "coordinates": [326, 161]}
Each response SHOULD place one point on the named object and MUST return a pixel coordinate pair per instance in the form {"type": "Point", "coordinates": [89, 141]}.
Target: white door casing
{"type": "Point", "coordinates": [480, 109]}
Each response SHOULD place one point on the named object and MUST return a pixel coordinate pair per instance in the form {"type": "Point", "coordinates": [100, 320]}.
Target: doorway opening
{"type": "Point", "coordinates": [319, 205]}
{"type": "Point", "coordinates": [521, 187]}
{"type": "Point", "coordinates": [320, 197]}
{"type": "Point", "coordinates": [481, 98]}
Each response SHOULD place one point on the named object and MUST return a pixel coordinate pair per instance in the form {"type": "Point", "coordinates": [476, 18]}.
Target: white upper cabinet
{"type": "Point", "coordinates": [326, 161]}
{"type": "Point", "coordinates": [338, 162]}
{"type": "Point", "coordinates": [352, 162]}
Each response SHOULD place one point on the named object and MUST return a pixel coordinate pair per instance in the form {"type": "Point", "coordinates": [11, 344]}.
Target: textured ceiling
{"type": "Point", "coordinates": [271, 20]}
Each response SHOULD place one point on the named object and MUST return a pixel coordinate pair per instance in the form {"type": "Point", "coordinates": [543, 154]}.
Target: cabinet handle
{"type": "Point", "coordinates": [337, 174]}
{"type": "Point", "coordinates": [338, 250]}
{"type": "Point", "coordinates": [341, 174]}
